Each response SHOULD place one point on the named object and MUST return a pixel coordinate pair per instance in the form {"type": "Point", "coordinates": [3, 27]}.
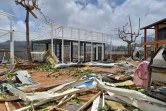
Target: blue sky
{"type": "Point", "coordinates": [98, 15]}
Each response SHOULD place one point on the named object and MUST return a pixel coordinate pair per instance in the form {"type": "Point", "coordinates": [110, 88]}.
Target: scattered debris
{"type": "Point", "coordinates": [38, 56]}
{"type": "Point", "coordinates": [7, 106]}
{"type": "Point", "coordinates": [115, 105]}
{"type": "Point", "coordinates": [141, 73]}
{"type": "Point", "coordinates": [52, 59]}
{"type": "Point", "coordinates": [24, 77]}
{"type": "Point", "coordinates": [96, 64]}
{"type": "Point", "coordinates": [88, 90]}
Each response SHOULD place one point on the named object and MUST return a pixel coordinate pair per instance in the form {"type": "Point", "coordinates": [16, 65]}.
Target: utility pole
{"type": "Point", "coordinates": [29, 5]}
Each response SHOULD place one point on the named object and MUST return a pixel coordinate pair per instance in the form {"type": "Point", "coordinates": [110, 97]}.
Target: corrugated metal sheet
{"type": "Point", "coordinates": [24, 77]}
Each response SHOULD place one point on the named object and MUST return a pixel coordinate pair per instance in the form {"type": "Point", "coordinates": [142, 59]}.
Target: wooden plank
{"type": "Point", "coordinates": [7, 106]}
{"type": "Point", "coordinates": [59, 87]}
{"type": "Point", "coordinates": [11, 98]}
{"type": "Point", "coordinates": [72, 91]}
{"type": "Point", "coordinates": [59, 109]}
{"type": "Point", "coordinates": [66, 100]}
{"type": "Point", "coordinates": [154, 42]}
{"type": "Point", "coordinates": [44, 87]}
{"type": "Point", "coordinates": [48, 95]}
{"type": "Point", "coordinates": [89, 102]}
{"type": "Point", "coordinates": [95, 104]}
{"type": "Point", "coordinates": [63, 99]}
{"type": "Point", "coordinates": [57, 106]}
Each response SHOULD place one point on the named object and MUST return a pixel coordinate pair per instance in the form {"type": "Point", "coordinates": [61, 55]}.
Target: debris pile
{"type": "Point", "coordinates": [94, 87]}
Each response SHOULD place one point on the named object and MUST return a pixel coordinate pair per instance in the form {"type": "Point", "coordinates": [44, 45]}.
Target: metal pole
{"type": "Point", "coordinates": [97, 52]}
{"type": "Point", "coordinates": [111, 49]}
{"type": "Point", "coordinates": [71, 47]}
{"type": "Point", "coordinates": [78, 45]}
{"type": "Point", "coordinates": [12, 47]}
{"type": "Point", "coordinates": [70, 52]}
{"type": "Point", "coordinates": [55, 42]}
{"type": "Point", "coordinates": [102, 49]}
{"type": "Point", "coordinates": [52, 40]}
{"type": "Point", "coordinates": [62, 45]}
{"type": "Point", "coordinates": [91, 48]}
{"type": "Point", "coordinates": [11, 43]}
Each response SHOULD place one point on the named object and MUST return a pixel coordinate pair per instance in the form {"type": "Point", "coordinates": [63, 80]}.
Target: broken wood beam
{"type": "Point", "coordinates": [7, 106]}
{"type": "Point", "coordinates": [57, 106]}
{"type": "Point", "coordinates": [89, 102]}
{"type": "Point", "coordinates": [11, 98]}
{"type": "Point", "coordinates": [41, 87]}
{"type": "Point", "coordinates": [56, 95]}
{"type": "Point", "coordinates": [95, 104]}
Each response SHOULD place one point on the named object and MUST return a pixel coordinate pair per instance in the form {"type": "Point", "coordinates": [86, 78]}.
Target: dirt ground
{"type": "Point", "coordinates": [60, 76]}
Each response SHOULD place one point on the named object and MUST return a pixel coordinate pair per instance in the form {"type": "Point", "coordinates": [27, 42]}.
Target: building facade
{"type": "Point", "coordinates": [159, 28]}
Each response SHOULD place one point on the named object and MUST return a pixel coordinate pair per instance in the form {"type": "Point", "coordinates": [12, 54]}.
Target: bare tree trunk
{"type": "Point", "coordinates": [130, 52]}
{"type": "Point", "coordinates": [27, 36]}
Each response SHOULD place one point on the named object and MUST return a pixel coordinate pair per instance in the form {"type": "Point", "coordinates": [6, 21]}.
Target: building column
{"type": "Point", "coordinates": [60, 52]}
{"type": "Point", "coordinates": [84, 52]}
{"type": "Point", "coordinates": [62, 44]}
{"type": "Point", "coordinates": [55, 44]}
{"type": "Point", "coordinates": [156, 35]}
{"type": "Point", "coordinates": [104, 50]}
{"type": "Point", "coordinates": [79, 51]}
{"type": "Point", "coordinates": [91, 52]}
{"type": "Point", "coordinates": [144, 44]}
{"type": "Point", "coordinates": [95, 52]}
{"type": "Point", "coordinates": [47, 46]}
{"type": "Point", "coordinates": [12, 48]}
{"type": "Point", "coordinates": [71, 51]}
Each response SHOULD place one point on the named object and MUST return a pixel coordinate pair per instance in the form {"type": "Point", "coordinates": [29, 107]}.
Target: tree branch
{"type": "Point", "coordinates": [17, 2]}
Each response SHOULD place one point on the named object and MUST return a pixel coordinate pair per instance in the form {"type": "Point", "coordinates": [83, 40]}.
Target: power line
{"type": "Point", "coordinates": [47, 19]}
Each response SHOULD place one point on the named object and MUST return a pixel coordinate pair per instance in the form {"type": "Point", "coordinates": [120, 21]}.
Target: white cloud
{"type": "Point", "coordinates": [103, 17]}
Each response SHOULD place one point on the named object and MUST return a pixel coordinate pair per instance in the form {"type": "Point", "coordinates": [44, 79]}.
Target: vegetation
{"type": "Point", "coordinates": [55, 75]}
{"type": "Point", "coordinates": [43, 107]}
{"type": "Point", "coordinates": [18, 84]}
{"type": "Point", "coordinates": [86, 72]}
{"type": "Point", "coordinates": [75, 100]}
{"type": "Point", "coordinates": [45, 67]}
{"type": "Point", "coordinates": [4, 95]}
{"type": "Point", "coordinates": [100, 108]}
{"type": "Point", "coordinates": [9, 76]}
{"type": "Point", "coordinates": [130, 107]}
